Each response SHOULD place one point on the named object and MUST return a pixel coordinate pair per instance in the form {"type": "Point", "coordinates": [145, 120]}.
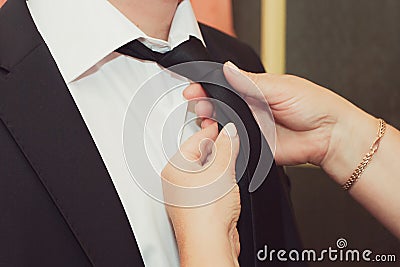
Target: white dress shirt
{"type": "Point", "coordinates": [81, 36]}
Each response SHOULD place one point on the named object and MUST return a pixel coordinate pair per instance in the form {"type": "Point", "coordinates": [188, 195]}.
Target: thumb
{"type": "Point", "coordinates": [227, 147]}
{"type": "Point", "coordinates": [246, 83]}
{"type": "Point", "coordinates": [199, 145]}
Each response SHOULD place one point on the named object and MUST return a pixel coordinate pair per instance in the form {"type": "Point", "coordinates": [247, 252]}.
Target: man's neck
{"type": "Point", "coordinates": [153, 17]}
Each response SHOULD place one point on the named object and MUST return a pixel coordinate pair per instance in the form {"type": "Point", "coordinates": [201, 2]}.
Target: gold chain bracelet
{"type": "Point", "coordinates": [367, 159]}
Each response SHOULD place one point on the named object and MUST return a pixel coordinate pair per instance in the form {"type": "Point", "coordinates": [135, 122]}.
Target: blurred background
{"type": "Point", "coordinates": [350, 46]}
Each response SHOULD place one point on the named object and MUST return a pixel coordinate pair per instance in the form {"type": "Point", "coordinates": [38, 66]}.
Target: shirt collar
{"type": "Point", "coordinates": [79, 33]}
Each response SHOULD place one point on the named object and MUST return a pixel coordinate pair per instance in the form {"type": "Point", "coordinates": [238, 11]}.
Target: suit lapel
{"type": "Point", "coordinates": [41, 115]}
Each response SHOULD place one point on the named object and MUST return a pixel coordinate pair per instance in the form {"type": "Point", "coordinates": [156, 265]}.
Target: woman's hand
{"type": "Point", "coordinates": [318, 126]}
{"type": "Point", "coordinates": [206, 233]}
{"type": "Point", "coordinates": [311, 121]}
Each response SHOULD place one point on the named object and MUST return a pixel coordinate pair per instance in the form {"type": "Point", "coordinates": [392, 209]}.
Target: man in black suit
{"type": "Point", "coordinates": [63, 196]}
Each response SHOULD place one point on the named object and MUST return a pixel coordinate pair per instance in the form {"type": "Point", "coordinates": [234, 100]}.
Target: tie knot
{"type": "Point", "coordinates": [190, 50]}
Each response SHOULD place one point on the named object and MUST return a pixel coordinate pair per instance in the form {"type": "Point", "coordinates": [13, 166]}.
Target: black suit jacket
{"type": "Point", "coordinates": [57, 201]}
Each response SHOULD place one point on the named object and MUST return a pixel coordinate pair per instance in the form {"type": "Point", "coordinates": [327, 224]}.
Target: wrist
{"type": "Point", "coordinates": [201, 236]}
{"type": "Point", "coordinates": [205, 247]}
{"type": "Point", "coordinates": [351, 138]}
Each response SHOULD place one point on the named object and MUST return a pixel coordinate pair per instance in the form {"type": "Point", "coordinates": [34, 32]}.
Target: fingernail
{"type": "Point", "coordinates": [230, 130]}
{"type": "Point", "coordinates": [233, 68]}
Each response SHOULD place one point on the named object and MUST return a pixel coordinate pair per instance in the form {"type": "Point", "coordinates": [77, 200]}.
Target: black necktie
{"type": "Point", "coordinates": [230, 107]}
{"type": "Point", "coordinates": [266, 216]}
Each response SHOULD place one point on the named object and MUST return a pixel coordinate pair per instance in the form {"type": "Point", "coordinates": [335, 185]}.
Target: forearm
{"type": "Point", "coordinates": [377, 188]}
